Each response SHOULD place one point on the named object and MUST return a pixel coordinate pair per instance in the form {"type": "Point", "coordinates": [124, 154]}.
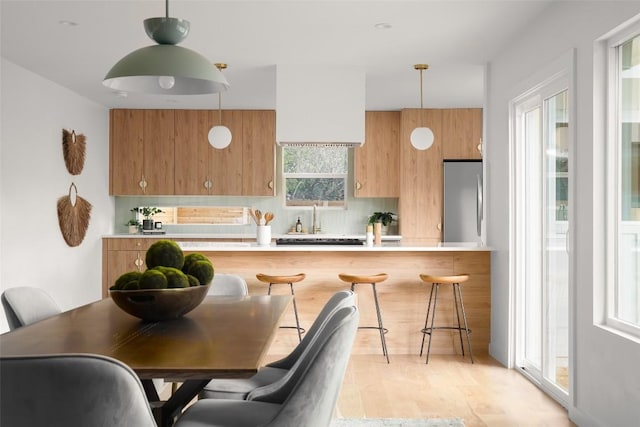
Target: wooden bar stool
{"type": "Point", "coordinates": [284, 280]}
{"type": "Point", "coordinates": [372, 280]}
{"type": "Point", "coordinates": [436, 281]}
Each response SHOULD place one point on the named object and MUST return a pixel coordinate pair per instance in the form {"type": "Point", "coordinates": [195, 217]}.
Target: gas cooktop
{"type": "Point", "coordinates": [319, 241]}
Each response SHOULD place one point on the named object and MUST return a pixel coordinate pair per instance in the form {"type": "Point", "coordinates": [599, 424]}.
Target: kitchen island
{"type": "Point", "coordinates": [403, 297]}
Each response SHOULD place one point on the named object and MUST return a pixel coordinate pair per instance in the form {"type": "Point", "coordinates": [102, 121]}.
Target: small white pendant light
{"type": "Point", "coordinates": [220, 135]}
{"type": "Point", "coordinates": [421, 137]}
{"type": "Point", "coordinates": [165, 68]}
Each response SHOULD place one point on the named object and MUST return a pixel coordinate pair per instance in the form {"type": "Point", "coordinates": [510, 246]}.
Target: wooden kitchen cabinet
{"type": "Point", "coordinates": [258, 152]}
{"type": "Point", "coordinates": [462, 133]}
{"type": "Point", "coordinates": [201, 169]}
{"type": "Point", "coordinates": [120, 256]}
{"type": "Point", "coordinates": [376, 163]}
{"type": "Point", "coordinates": [420, 204]}
{"type": "Point", "coordinates": [141, 152]}
{"type": "Point", "coordinates": [226, 166]}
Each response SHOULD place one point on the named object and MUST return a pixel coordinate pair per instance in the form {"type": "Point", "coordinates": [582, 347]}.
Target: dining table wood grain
{"type": "Point", "coordinates": [224, 337]}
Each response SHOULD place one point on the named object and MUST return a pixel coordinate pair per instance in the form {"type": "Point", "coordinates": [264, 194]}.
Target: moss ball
{"type": "Point", "coordinates": [193, 280]}
{"type": "Point", "coordinates": [175, 277]}
{"type": "Point", "coordinates": [153, 279]}
{"type": "Point", "coordinates": [190, 259]}
{"type": "Point", "coordinates": [126, 278]}
{"type": "Point", "coordinates": [203, 270]}
{"type": "Point", "coordinates": [165, 253]}
{"type": "Point", "coordinates": [133, 285]}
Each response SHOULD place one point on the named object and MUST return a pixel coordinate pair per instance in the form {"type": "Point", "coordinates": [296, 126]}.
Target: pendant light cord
{"type": "Point", "coordinates": [421, 106]}
{"type": "Point", "coordinates": [220, 108]}
{"type": "Point", "coordinates": [166, 6]}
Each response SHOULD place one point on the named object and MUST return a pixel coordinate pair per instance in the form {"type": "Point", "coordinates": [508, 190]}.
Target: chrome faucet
{"type": "Point", "coordinates": [315, 228]}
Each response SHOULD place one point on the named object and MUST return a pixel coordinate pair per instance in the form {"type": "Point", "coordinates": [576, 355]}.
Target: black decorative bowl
{"type": "Point", "coordinates": [160, 304]}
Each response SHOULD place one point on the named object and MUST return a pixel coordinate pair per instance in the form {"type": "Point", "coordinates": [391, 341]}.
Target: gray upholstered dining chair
{"type": "Point", "coordinates": [228, 285]}
{"type": "Point", "coordinates": [304, 397]}
{"type": "Point", "coordinates": [272, 372]}
{"type": "Point", "coordinates": [73, 390]}
{"type": "Point", "coordinates": [24, 305]}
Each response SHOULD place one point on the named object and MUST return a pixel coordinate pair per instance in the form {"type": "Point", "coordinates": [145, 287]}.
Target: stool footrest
{"type": "Point", "coordinates": [384, 330]}
{"type": "Point", "coordinates": [455, 328]}
{"type": "Point", "coordinates": [302, 330]}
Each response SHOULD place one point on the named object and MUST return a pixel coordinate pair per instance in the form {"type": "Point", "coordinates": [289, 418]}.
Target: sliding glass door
{"type": "Point", "coordinates": [541, 250]}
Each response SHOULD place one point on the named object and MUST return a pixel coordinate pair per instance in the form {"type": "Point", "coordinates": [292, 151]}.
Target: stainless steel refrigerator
{"type": "Point", "coordinates": [462, 219]}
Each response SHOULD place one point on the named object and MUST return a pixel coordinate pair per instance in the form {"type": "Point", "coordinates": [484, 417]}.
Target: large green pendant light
{"type": "Point", "coordinates": [166, 68]}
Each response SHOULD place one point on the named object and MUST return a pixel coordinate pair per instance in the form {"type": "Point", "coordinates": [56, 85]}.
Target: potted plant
{"type": "Point", "coordinates": [386, 218]}
{"type": "Point", "coordinates": [147, 212]}
{"type": "Point", "coordinates": [134, 226]}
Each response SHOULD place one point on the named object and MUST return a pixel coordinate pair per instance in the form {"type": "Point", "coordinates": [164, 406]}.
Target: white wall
{"type": "Point", "coordinates": [32, 178]}
{"type": "Point", "coordinates": [607, 380]}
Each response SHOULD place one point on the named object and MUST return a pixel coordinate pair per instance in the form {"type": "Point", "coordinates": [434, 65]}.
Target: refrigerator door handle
{"type": "Point", "coordinates": [479, 205]}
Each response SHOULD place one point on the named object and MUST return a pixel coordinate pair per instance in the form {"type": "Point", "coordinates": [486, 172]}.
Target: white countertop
{"type": "Point", "coordinates": [389, 244]}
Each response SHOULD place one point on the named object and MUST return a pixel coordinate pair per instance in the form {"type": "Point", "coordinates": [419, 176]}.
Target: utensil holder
{"type": "Point", "coordinates": [264, 235]}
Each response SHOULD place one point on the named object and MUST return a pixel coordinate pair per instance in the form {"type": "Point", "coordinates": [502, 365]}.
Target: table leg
{"type": "Point", "coordinates": [166, 413]}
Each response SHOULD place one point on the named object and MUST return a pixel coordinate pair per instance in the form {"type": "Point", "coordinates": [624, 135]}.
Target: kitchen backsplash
{"type": "Point", "coordinates": [351, 220]}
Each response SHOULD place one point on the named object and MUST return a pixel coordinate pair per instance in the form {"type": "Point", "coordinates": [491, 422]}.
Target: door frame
{"type": "Point", "coordinates": [561, 69]}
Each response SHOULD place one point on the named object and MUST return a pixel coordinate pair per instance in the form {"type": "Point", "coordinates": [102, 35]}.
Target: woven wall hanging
{"type": "Point", "coordinates": [73, 150]}
{"type": "Point", "coordinates": [73, 218]}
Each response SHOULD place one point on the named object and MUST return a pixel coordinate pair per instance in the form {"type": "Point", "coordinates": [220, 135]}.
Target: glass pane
{"type": "Point", "coordinates": [315, 159]}
{"type": "Point", "coordinates": [533, 292]}
{"type": "Point", "coordinates": [556, 270]}
{"type": "Point", "coordinates": [314, 190]}
{"type": "Point", "coordinates": [628, 283]}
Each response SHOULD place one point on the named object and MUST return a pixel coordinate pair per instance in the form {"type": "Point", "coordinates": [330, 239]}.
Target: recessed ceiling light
{"type": "Point", "coordinates": [68, 23]}
{"type": "Point", "coordinates": [382, 26]}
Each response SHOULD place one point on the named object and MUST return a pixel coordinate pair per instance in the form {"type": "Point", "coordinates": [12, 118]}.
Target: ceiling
{"type": "Point", "coordinates": [456, 38]}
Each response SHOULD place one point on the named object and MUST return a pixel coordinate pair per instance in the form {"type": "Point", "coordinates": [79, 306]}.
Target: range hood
{"type": "Point", "coordinates": [320, 105]}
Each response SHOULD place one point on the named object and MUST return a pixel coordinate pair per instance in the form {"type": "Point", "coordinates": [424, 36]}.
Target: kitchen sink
{"type": "Point", "coordinates": [320, 241]}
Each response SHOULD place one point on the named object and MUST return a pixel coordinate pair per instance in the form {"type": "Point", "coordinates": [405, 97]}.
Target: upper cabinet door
{"type": "Point", "coordinates": [376, 163]}
{"type": "Point", "coordinates": [462, 133]}
{"type": "Point", "coordinates": [126, 133]}
{"type": "Point", "coordinates": [259, 144]}
{"type": "Point", "coordinates": [225, 165]}
{"type": "Point", "coordinates": [420, 202]}
{"type": "Point", "coordinates": [159, 154]}
{"type": "Point", "coordinates": [192, 152]}
{"type": "Point", "coordinates": [141, 152]}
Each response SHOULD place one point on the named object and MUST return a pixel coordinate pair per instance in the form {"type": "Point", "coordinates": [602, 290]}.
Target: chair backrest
{"type": "Point", "coordinates": [25, 305]}
{"type": "Point", "coordinates": [71, 390]}
{"type": "Point", "coordinates": [337, 301]}
{"type": "Point", "coordinates": [228, 285]}
{"type": "Point", "coordinates": [310, 393]}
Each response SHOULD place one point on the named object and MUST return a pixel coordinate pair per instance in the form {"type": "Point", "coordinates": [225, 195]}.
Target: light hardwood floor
{"type": "Point", "coordinates": [482, 394]}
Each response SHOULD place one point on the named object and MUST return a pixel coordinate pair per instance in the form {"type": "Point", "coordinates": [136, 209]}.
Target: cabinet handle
{"type": "Point", "coordinates": [270, 185]}
{"type": "Point", "coordinates": [439, 227]}
{"type": "Point", "coordinates": [358, 185]}
{"type": "Point", "coordinates": [479, 147]}
{"type": "Point", "coordinates": [139, 263]}
{"type": "Point", "coordinates": [143, 184]}
{"type": "Point", "coordinates": [207, 184]}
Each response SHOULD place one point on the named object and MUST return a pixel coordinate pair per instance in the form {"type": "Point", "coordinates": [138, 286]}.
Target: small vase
{"type": "Point", "coordinates": [147, 224]}
{"type": "Point", "coordinates": [133, 229]}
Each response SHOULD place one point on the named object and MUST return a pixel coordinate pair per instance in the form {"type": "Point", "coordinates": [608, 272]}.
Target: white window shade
{"type": "Point", "coordinates": [320, 105]}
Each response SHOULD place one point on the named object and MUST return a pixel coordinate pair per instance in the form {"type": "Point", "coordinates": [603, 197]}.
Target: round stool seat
{"type": "Point", "coordinates": [280, 279]}
{"type": "Point", "coordinates": [457, 278]}
{"type": "Point", "coordinates": [351, 278]}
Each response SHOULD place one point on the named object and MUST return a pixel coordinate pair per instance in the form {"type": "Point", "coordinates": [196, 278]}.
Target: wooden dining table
{"type": "Point", "coordinates": [224, 337]}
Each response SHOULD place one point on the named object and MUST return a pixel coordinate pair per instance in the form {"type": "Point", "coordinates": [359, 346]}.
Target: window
{"type": "Point", "coordinates": [315, 175]}
{"type": "Point", "coordinates": [623, 305]}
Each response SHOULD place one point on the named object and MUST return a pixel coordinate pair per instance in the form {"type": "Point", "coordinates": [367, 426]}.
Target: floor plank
{"type": "Point", "coordinates": [482, 394]}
